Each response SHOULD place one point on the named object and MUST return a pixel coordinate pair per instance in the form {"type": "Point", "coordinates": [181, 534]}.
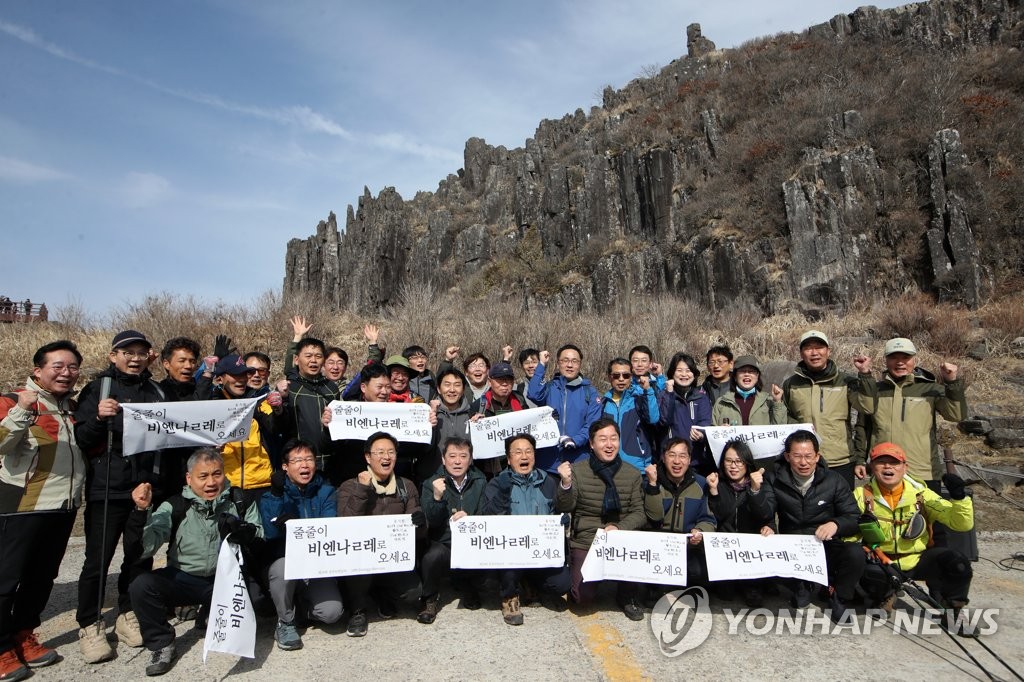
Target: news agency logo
{"type": "Point", "coordinates": [681, 620]}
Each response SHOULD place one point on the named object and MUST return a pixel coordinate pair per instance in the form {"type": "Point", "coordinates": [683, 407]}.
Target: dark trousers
{"type": "Point", "coordinates": [359, 589]}
{"type": "Point", "coordinates": [436, 564]}
{"type": "Point", "coordinates": [946, 571]}
{"type": "Point", "coordinates": [97, 559]}
{"type": "Point", "coordinates": [585, 593]}
{"type": "Point", "coordinates": [31, 548]}
{"type": "Point", "coordinates": [153, 593]}
{"type": "Point", "coordinates": [846, 471]}
{"type": "Point", "coordinates": [846, 563]}
{"type": "Point", "coordinates": [554, 581]}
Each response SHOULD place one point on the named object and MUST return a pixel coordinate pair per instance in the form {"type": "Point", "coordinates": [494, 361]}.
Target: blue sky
{"type": "Point", "coordinates": [177, 146]}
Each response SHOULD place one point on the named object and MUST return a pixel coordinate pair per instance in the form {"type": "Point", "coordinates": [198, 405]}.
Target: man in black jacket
{"type": "Point", "coordinates": [309, 392]}
{"type": "Point", "coordinates": [110, 480]}
{"type": "Point", "coordinates": [811, 499]}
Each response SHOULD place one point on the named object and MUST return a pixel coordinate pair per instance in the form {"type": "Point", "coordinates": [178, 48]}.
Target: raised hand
{"type": "Point", "coordinates": [371, 333]}
{"type": "Point", "coordinates": [299, 328]}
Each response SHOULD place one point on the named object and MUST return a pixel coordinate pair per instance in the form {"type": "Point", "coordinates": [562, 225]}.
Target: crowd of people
{"type": "Point", "coordinates": [867, 481]}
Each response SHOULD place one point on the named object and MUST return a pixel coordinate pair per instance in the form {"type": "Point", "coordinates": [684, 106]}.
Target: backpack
{"type": "Point", "coordinates": [179, 506]}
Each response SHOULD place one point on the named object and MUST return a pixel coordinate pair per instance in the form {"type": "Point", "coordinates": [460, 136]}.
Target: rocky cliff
{"type": "Point", "coordinates": [866, 156]}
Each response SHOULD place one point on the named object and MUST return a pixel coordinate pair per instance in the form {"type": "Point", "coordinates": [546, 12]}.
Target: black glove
{"type": "Point", "coordinates": [222, 346]}
{"type": "Point", "coordinates": [282, 519]}
{"type": "Point", "coordinates": [565, 520]}
{"type": "Point", "coordinates": [277, 480]}
{"type": "Point", "coordinates": [955, 485]}
{"type": "Point", "coordinates": [503, 483]}
{"type": "Point", "coordinates": [419, 519]}
{"type": "Point", "coordinates": [241, 533]}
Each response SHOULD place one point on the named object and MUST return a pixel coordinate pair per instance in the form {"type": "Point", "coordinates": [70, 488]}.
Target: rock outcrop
{"type": "Point", "coordinates": [620, 202]}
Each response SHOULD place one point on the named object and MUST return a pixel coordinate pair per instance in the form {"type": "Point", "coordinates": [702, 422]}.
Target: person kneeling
{"type": "Point", "coordinates": [896, 524]}
{"type": "Point", "coordinates": [298, 491]}
{"type": "Point", "coordinates": [211, 513]}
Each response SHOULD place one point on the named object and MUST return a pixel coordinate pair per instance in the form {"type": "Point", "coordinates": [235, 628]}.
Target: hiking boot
{"type": "Point", "coordinates": [11, 667]}
{"type": "Point", "coordinates": [801, 595]}
{"type": "Point", "coordinates": [957, 624]}
{"type": "Point", "coordinates": [287, 637]}
{"type": "Point", "coordinates": [429, 606]}
{"type": "Point", "coordinates": [93, 643]}
{"type": "Point", "coordinates": [753, 597]}
{"type": "Point", "coordinates": [357, 624]}
{"type": "Point", "coordinates": [185, 613]}
{"type": "Point", "coordinates": [838, 612]}
{"type": "Point", "coordinates": [633, 610]}
{"type": "Point", "coordinates": [34, 654]}
{"type": "Point", "coordinates": [127, 629]}
{"type": "Point", "coordinates": [510, 610]}
{"type": "Point", "coordinates": [528, 594]}
{"type": "Point", "coordinates": [470, 600]}
{"type": "Point", "coordinates": [161, 662]}
{"type": "Point", "coordinates": [554, 602]}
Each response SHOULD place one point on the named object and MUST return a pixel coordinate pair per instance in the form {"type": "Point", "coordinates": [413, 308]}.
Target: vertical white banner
{"type": "Point", "coordinates": [231, 628]}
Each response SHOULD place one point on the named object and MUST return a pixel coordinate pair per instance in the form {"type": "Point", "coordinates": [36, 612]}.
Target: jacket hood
{"type": "Point", "coordinates": [828, 374]}
{"type": "Point", "coordinates": [311, 489]}
{"type": "Point", "coordinates": [125, 378]}
{"type": "Point", "coordinates": [462, 407]}
{"type": "Point", "coordinates": [31, 385]}
{"type": "Point", "coordinates": [197, 501]}
{"type": "Point", "coordinates": [918, 374]}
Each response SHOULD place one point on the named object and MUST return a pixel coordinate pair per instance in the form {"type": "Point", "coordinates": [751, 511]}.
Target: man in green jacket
{"type": "Point", "coordinates": [818, 393]}
{"type": "Point", "coordinates": [903, 405]}
{"type": "Point", "coordinates": [193, 548]}
{"type": "Point", "coordinates": [601, 493]}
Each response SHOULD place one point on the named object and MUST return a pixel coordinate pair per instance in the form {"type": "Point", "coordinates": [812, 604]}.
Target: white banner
{"type": "Point", "coordinates": [231, 628]}
{"type": "Point", "coordinates": [349, 545]}
{"type": "Point", "coordinates": [764, 441]}
{"type": "Point", "coordinates": [408, 422]}
{"type": "Point", "coordinates": [488, 434]}
{"type": "Point", "coordinates": [738, 556]}
{"type": "Point", "coordinates": [508, 541]}
{"type": "Point", "coordinates": [191, 423]}
{"type": "Point", "coordinates": [637, 557]}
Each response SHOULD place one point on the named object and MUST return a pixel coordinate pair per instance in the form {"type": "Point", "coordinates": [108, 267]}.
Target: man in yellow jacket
{"type": "Point", "coordinates": [897, 525]}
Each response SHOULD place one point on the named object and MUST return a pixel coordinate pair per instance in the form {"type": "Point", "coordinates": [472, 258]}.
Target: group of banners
{"type": "Point", "coordinates": [154, 426]}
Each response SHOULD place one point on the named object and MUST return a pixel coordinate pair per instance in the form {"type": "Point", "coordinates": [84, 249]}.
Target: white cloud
{"type": "Point", "coordinates": [141, 190]}
{"type": "Point", "coordinates": [16, 170]}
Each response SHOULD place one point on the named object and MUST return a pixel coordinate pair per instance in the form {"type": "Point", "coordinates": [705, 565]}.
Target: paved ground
{"type": "Point", "coordinates": [600, 646]}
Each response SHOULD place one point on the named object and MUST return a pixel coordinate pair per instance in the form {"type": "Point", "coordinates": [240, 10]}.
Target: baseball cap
{"type": "Point", "coordinates": [888, 450]}
{"type": "Point", "coordinates": [900, 345]}
{"type": "Point", "coordinates": [501, 370]}
{"type": "Point", "coordinates": [233, 365]}
{"type": "Point", "coordinates": [747, 361]}
{"type": "Point", "coordinates": [814, 334]}
{"type": "Point", "coordinates": [128, 337]}
{"type": "Point", "coordinates": [397, 361]}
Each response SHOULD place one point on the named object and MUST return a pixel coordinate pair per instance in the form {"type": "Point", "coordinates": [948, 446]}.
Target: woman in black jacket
{"type": "Point", "coordinates": [729, 500]}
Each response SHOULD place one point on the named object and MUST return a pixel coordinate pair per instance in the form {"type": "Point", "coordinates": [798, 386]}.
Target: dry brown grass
{"type": "Point", "coordinates": [438, 319]}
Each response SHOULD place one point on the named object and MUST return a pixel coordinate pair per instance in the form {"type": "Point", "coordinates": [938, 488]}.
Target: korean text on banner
{"type": "Point", "coordinates": [764, 441]}
{"type": "Point", "coordinates": [508, 542]}
{"type": "Point", "coordinates": [637, 557]}
{"type": "Point", "coordinates": [191, 423]}
{"type": "Point", "coordinates": [350, 545]}
{"type": "Point", "coordinates": [408, 422]}
{"type": "Point", "coordinates": [738, 556]}
{"type": "Point", "coordinates": [231, 628]}
{"type": "Point", "coordinates": [489, 434]}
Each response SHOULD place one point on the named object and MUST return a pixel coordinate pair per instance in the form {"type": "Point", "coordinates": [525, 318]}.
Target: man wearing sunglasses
{"type": "Point", "coordinates": [898, 513]}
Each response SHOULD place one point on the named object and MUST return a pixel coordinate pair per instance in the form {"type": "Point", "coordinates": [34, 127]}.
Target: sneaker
{"type": "Point", "coordinates": [470, 600]}
{"type": "Point", "coordinates": [554, 602]}
{"type": "Point", "coordinates": [510, 611]}
{"type": "Point", "coordinates": [753, 597]}
{"type": "Point", "coordinates": [93, 643]}
{"type": "Point", "coordinates": [127, 629]}
{"type": "Point", "coordinates": [161, 662]}
{"type": "Point", "coordinates": [957, 624]}
{"type": "Point", "coordinates": [11, 667]}
{"type": "Point", "coordinates": [357, 625]}
{"type": "Point", "coordinates": [185, 613]}
{"type": "Point", "coordinates": [633, 610]}
{"type": "Point", "coordinates": [287, 637]}
{"type": "Point", "coordinates": [429, 606]}
{"type": "Point", "coordinates": [801, 595]}
{"type": "Point", "coordinates": [838, 612]}
{"type": "Point", "coordinates": [34, 654]}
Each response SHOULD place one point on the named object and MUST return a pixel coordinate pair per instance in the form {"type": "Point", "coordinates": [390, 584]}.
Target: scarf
{"type": "Point", "coordinates": [740, 486]}
{"type": "Point", "coordinates": [389, 488]}
{"type": "Point", "coordinates": [746, 394]}
{"type": "Point", "coordinates": [606, 472]}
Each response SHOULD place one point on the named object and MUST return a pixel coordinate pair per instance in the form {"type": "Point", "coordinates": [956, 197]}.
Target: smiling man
{"type": "Point", "coordinates": [42, 474]}
{"type": "Point", "coordinates": [193, 545]}
{"type": "Point", "coordinates": [904, 403]}
{"type": "Point", "coordinates": [309, 392]}
{"type": "Point", "coordinates": [811, 499]}
{"type": "Point", "coordinates": [379, 491]}
{"type": "Point", "coordinates": [818, 393]}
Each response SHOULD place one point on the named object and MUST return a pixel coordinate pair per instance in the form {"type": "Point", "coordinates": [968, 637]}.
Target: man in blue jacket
{"type": "Point", "coordinates": [633, 405]}
{"type": "Point", "coordinates": [297, 491]}
{"type": "Point", "coordinates": [576, 404]}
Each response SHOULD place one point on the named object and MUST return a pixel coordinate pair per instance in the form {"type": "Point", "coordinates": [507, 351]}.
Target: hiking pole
{"type": "Point", "coordinates": [104, 394]}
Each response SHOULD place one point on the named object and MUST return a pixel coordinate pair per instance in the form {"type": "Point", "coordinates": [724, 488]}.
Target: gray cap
{"type": "Point", "coordinates": [814, 334]}
{"type": "Point", "coordinates": [747, 361]}
{"type": "Point", "coordinates": [900, 345]}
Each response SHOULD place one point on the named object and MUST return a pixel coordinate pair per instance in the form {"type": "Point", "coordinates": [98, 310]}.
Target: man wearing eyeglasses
{"type": "Point", "coordinates": [111, 479]}
{"type": "Point", "coordinates": [42, 474]}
